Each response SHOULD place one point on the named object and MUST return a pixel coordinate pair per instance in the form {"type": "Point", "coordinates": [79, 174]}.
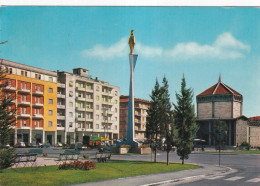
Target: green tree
{"type": "Point", "coordinates": [166, 117]}
{"type": "Point", "coordinates": [220, 130]}
{"type": "Point", "coordinates": [153, 128]}
{"type": "Point", "coordinates": [7, 121]}
{"type": "Point", "coordinates": [185, 127]}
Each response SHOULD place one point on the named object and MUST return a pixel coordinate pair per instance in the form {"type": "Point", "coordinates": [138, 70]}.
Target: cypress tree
{"type": "Point", "coordinates": [184, 121]}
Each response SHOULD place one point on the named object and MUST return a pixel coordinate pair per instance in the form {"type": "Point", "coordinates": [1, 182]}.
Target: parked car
{"type": "Point", "coordinates": [20, 145]}
{"type": "Point", "coordinates": [78, 146]}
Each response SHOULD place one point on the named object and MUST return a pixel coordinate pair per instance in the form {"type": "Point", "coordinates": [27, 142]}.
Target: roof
{"type": "Point", "coordinates": [255, 118]}
{"type": "Point", "coordinates": [126, 99]}
{"type": "Point", "coordinates": [219, 88]}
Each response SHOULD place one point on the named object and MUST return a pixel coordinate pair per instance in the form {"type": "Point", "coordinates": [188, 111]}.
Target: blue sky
{"type": "Point", "coordinates": [201, 42]}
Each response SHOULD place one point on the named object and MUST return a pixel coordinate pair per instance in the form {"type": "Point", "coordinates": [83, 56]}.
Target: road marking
{"type": "Point", "coordinates": [254, 180]}
{"type": "Point", "coordinates": [234, 178]}
{"type": "Point", "coordinates": [214, 178]}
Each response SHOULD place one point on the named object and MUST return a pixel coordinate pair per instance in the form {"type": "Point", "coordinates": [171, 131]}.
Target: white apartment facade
{"type": "Point", "coordinates": [86, 108]}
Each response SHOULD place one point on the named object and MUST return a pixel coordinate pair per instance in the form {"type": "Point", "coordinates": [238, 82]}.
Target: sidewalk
{"type": "Point", "coordinates": [157, 179]}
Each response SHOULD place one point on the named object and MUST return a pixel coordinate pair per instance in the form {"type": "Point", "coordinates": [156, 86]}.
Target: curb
{"type": "Point", "coordinates": [198, 177]}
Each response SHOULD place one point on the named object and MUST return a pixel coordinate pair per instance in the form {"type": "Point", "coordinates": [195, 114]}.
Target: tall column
{"type": "Point", "coordinates": [65, 137]}
{"type": "Point", "coordinates": [30, 136]}
{"type": "Point", "coordinates": [43, 136]}
{"type": "Point", "coordinates": [131, 119]}
{"type": "Point", "coordinates": [55, 137]}
{"type": "Point", "coordinates": [15, 136]}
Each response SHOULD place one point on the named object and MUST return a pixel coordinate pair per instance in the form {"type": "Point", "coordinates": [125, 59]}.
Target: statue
{"type": "Point", "coordinates": [131, 42]}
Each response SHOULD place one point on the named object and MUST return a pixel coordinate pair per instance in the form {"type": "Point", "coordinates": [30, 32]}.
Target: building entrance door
{"type": "Point", "coordinates": [49, 139]}
{"type": "Point", "coordinates": [26, 138]}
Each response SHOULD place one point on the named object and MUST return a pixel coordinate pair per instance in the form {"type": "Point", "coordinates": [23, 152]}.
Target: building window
{"type": "Point", "coordinates": [116, 118]}
{"type": "Point", "coordinates": [97, 107]}
{"type": "Point", "coordinates": [50, 112]}
{"type": "Point", "coordinates": [49, 123]}
{"type": "Point", "coordinates": [71, 84]}
{"type": "Point", "coordinates": [97, 116]}
{"type": "Point", "coordinates": [50, 90]}
{"type": "Point", "coordinates": [22, 73]}
{"type": "Point", "coordinates": [10, 71]}
{"type": "Point", "coordinates": [51, 79]}
{"type": "Point", "coordinates": [116, 93]}
{"type": "Point", "coordinates": [25, 74]}
{"type": "Point", "coordinates": [97, 88]}
{"type": "Point", "coordinates": [115, 127]}
{"type": "Point", "coordinates": [71, 114]}
{"type": "Point", "coordinates": [97, 126]}
{"type": "Point", "coordinates": [116, 101]}
{"type": "Point", "coordinates": [39, 76]}
{"type": "Point", "coordinates": [50, 101]}
{"type": "Point", "coordinates": [70, 94]}
{"type": "Point", "coordinates": [115, 110]}
{"type": "Point", "coordinates": [70, 104]}
{"type": "Point", "coordinates": [97, 98]}
{"type": "Point", "coordinates": [70, 124]}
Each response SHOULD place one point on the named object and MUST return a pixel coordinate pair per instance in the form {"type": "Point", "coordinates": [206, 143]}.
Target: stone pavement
{"type": "Point", "coordinates": [163, 178]}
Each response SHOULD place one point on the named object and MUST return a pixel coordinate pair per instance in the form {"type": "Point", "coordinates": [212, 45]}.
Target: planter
{"type": "Point", "coordinates": [146, 150]}
{"type": "Point", "coordinates": [123, 150]}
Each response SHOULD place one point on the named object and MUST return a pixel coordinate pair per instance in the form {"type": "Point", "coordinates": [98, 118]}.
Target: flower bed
{"type": "Point", "coordinates": [86, 165]}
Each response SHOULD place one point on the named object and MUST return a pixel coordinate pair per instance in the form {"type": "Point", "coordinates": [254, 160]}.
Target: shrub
{"type": "Point", "coordinates": [85, 156]}
{"type": "Point", "coordinates": [26, 152]}
{"type": "Point", "coordinates": [125, 146]}
{"type": "Point", "coordinates": [144, 146]}
{"type": "Point", "coordinates": [86, 165]}
{"type": "Point", "coordinates": [45, 154]}
{"type": "Point", "coordinates": [244, 144]}
{"type": "Point", "coordinates": [7, 158]}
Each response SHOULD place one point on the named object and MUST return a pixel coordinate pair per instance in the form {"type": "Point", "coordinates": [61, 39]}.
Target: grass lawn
{"type": "Point", "coordinates": [50, 175]}
{"type": "Point", "coordinates": [234, 152]}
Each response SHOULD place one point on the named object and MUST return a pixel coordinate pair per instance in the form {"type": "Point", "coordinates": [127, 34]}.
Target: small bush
{"type": "Point", "coordinates": [244, 144]}
{"type": "Point", "coordinates": [144, 146]}
{"type": "Point", "coordinates": [85, 156]}
{"type": "Point", "coordinates": [44, 154]}
{"type": "Point", "coordinates": [87, 165]}
{"type": "Point", "coordinates": [125, 146]}
{"type": "Point", "coordinates": [7, 158]}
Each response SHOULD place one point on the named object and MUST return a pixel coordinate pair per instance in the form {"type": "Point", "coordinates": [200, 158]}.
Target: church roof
{"type": "Point", "coordinates": [219, 88]}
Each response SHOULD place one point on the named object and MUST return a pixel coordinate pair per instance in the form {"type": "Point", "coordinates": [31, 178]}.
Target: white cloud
{"type": "Point", "coordinates": [105, 53]}
{"type": "Point", "coordinates": [224, 47]}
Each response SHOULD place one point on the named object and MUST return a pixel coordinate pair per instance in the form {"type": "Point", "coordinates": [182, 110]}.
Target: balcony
{"type": "Point", "coordinates": [89, 90]}
{"type": "Point", "coordinates": [38, 116]}
{"type": "Point", "coordinates": [25, 127]}
{"type": "Point", "coordinates": [24, 90]}
{"type": "Point", "coordinates": [61, 106]}
{"type": "Point", "coordinates": [89, 109]}
{"type": "Point", "coordinates": [89, 119]}
{"type": "Point", "coordinates": [9, 88]}
{"type": "Point", "coordinates": [24, 115]}
{"type": "Point", "coordinates": [38, 104]}
{"type": "Point", "coordinates": [60, 128]}
{"type": "Point", "coordinates": [80, 119]}
{"type": "Point", "coordinates": [80, 109]}
{"type": "Point", "coordinates": [80, 98]}
{"type": "Point", "coordinates": [61, 117]}
{"type": "Point", "coordinates": [61, 85]}
{"type": "Point", "coordinates": [89, 99]}
{"type": "Point", "coordinates": [60, 95]}
{"type": "Point", "coordinates": [38, 92]}
{"type": "Point", "coordinates": [80, 88]}
{"type": "Point", "coordinates": [38, 128]}
{"type": "Point", "coordinates": [24, 103]}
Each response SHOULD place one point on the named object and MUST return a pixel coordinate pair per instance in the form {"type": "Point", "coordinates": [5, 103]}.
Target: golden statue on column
{"type": "Point", "coordinates": [131, 42]}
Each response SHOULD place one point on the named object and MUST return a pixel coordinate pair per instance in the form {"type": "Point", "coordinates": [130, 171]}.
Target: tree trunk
{"type": "Point", "coordinates": [182, 161]}
{"type": "Point", "coordinates": [155, 151]}
{"type": "Point", "coordinates": [167, 157]}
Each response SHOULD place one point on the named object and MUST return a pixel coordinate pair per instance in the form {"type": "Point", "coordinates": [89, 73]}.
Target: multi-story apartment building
{"type": "Point", "coordinates": [86, 107]}
{"type": "Point", "coordinates": [141, 107]}
{"type": "Point", "coordinates": [35, 99]}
